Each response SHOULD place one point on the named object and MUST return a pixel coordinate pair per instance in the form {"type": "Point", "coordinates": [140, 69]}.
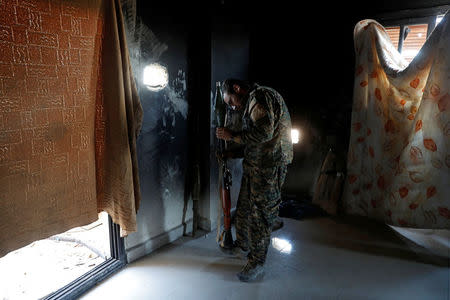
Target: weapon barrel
{"type": "Point", "coordinates": [226, 206]}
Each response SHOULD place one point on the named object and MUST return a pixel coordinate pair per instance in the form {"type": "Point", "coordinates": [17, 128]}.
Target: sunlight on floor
{"type": "Point", "coordinates": [282, 245]}
{"type": "Point", "coordinates": [45, 266]}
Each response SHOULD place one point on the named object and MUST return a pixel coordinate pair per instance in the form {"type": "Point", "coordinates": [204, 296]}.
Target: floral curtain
{"type": "Point", "coordinates": [398, 167]}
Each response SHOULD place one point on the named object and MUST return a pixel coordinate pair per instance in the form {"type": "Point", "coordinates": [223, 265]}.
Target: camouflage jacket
{"type": "Point", "coordinates": [266, 129]}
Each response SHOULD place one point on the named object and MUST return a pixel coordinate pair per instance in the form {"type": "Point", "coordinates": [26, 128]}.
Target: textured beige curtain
{"type": "Point", "coordinates": [399, 155]}
{"type": "Point", "coordinates": [118, 121]}
{"type": "Point", "coordinates": [69, 115]}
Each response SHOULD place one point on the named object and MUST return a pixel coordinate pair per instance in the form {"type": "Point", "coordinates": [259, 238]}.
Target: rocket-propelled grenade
{"type": "Point", "coordinates": [226, 238]}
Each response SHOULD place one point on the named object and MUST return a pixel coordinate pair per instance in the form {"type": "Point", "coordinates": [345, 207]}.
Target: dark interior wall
{"type": "Point", "coordinates": [229, 59]}
{"type": "Point", "coordinates": [229, 49]}
{"type": "Point", "coordinates": [162, 146]}
{"type": "Point", "coordinates": [199, 90]}
{"type": "Point", "coordinates": [310, 62]}
{"type": "Point", "coordinates": [384, 6]}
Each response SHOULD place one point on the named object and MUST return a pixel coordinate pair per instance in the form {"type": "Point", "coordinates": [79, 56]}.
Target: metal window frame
{"type": "Point", "coordinates": [403, 23]}
{"type": "Point", "coordinates": [411, 17]}
{"type": "Point", "coordinates": [88, 280]}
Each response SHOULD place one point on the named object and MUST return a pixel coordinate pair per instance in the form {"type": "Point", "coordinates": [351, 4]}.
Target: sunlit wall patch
{"type": "Point", "coordinates": [282, 245]}
{"type": "Point", "coordinates": [156, 77]}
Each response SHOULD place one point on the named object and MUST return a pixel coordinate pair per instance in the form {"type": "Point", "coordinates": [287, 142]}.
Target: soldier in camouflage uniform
{"type": "Point", "coordinates": [267, 152]}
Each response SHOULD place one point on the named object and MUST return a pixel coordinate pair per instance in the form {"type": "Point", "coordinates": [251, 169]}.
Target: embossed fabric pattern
{"type": "Point", "coordinates": [398, 167]}
{"type": "Point", "coordinates": [118, 122]}
{"type": "Point", "coordinates": [67, 147]}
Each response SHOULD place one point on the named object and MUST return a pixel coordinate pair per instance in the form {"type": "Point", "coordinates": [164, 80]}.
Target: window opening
{"type": "Point", "coordinates": [409, 37]}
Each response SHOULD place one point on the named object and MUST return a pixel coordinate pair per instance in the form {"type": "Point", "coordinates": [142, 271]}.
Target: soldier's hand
{"type": "Point", "coordinates": [224, 133]}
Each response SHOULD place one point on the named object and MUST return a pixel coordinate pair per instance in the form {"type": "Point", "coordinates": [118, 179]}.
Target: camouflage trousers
{"type": "Point", "coordinates": [257, 209]}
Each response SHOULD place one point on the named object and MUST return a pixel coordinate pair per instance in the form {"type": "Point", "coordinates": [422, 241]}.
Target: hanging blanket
{"type": "Point", "coordinates": [69, 116]}
{"type": "Point", "coordinates": [399, 156]}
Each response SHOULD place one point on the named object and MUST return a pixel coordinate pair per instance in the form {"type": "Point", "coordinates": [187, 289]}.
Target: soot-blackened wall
{"type": "Point", "coordinates": [162, 146]}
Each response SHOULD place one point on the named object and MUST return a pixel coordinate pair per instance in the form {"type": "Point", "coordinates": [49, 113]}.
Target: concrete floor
{"type": "Point", "coordinates": [321, 258]}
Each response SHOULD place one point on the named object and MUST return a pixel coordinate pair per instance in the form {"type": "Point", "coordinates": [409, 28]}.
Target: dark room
{"type": "Point", "coordinates": [224, 149]}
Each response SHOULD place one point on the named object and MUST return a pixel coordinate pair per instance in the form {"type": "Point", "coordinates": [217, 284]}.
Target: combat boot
{"type": "Point", "coordinates": [251, 272]}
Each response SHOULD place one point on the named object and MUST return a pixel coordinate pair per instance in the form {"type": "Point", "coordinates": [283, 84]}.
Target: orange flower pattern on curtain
{"type": "Point", "coordinates": [398, 167]}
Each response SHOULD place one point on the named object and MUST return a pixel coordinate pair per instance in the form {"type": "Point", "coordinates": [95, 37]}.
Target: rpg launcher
{"type": "Point", "coordinates": [225, 239]}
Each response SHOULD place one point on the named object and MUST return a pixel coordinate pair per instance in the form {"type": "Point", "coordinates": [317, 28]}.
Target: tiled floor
{"type": "Point", "coordinates": [320, 258]}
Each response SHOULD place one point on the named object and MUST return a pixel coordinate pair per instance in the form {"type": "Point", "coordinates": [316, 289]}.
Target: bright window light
{"type": "Point", "coordinates": [155, 77]}
{"type": "Point", "coordinates": [282, 245]}
{"type": "Point", "coordinates": [439, 19]}
{"type": "Point", "coordinates": [410, 53]}
{"type": "Point", "coordinates": [295, 136]}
